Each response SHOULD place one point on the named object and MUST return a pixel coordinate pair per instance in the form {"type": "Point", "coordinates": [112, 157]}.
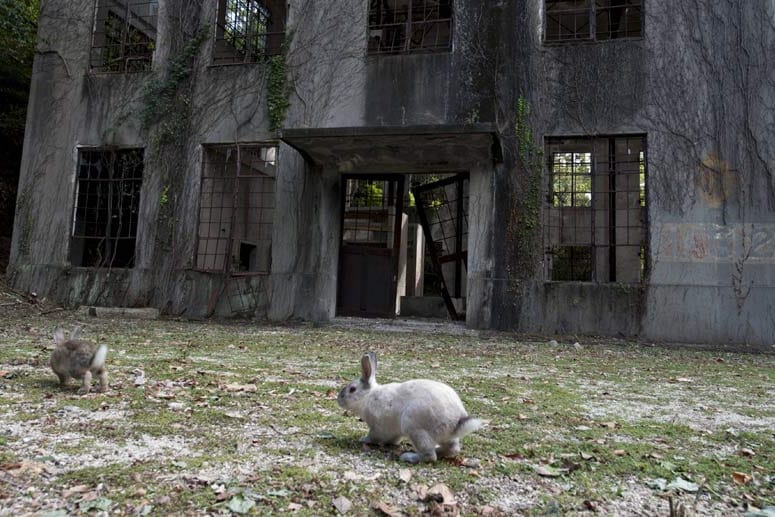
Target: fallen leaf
{"type": "Point", "coordinates": [514, 456]}
{"type": "Point", "coordinates": [683, 485]}
{"type": "Point", "coordinates": [487, 510]}
{"type": "Point", "coordinates": [77, 489]}
{"type": "Point", "coordinates": [619, 452]}
{"type": "Point", "coordinates": [383, 508]}
{"type": "Point", "coordinates": [102, 503]}
{"type": "Point", "coordinates": [331, 394]}
{"type": "Point", "coordinates": [609, 425]}
{"type": "Point", "coordinates": [658, 484]}
{"type": "Point", "coordinates": [405, 475]}
{"type": "Point", "coordinates": [241, 504]}
{"type": "Point", "coordinates": [547, 471]}
{"type": "Point", "coordinates": [521, 416]}
{"type": "Point", "coordinates": [681, 379]}
{"type": "Point", "coordinates": [741, 478]}
{"type": "Point", "coordinates": [247, 388]}
{"type": "Point", "coordinates": [294, 507]}
{"type": "Point", "coordinates": [746, 452]}
{"type": "Point", "coordinates": [586, 456]}
{"type": "Point", "coordinates": [441, 494]}
{"type": "Point", "coordinates": [342, 504]}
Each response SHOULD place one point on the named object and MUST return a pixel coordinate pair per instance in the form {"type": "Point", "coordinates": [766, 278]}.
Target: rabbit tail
{"type": "Point", "coordinates": [98, 361]}
{"type": "Point", "coordinates": [467, 425]}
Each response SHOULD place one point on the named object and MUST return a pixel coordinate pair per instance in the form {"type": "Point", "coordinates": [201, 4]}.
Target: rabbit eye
{"type": "Point", "coordinates": [352, 388]}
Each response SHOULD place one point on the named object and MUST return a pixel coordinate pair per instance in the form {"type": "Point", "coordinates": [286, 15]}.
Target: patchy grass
{"type": "Point", "coordinates": [206, 418]}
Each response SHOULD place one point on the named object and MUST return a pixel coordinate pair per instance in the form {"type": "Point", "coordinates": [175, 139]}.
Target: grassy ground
{"type": "Point", "coordinates": [208, 418]}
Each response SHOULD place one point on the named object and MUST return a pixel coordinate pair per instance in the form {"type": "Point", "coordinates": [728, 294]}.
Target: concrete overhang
{"type": "Point", "coordinates": [398, 149]}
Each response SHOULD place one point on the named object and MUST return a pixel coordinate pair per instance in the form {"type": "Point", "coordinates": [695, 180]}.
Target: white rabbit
{"type": "Point", "coordinates": [78, 359]}
{"type": "Point", "coordinates": [429, 413]}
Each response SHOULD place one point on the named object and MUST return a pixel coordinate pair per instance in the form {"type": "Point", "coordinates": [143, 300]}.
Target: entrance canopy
{"type": "Point", "coordinates": [398, 149]}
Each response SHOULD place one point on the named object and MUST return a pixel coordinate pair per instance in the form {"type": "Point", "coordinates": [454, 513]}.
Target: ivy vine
{"type": "Point", "coordinates": [524, 227]}
{"type": "Point", "coordinates": [277, 90]}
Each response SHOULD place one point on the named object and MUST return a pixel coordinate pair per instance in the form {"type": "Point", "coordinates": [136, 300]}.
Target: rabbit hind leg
{"type": "Point", "coordinates": [103, 380]}
{"type": "Point", "coordinates": [85, 384]}
{"type": "Point", "coordinates": [449, 449]}
{"type": "Point", "coordinates": [425, 447]}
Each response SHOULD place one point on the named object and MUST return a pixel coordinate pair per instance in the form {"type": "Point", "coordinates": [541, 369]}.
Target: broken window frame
{"type": "Point", "coordinates": [247, 31]}
{"type": "Point", "coordinates": [598, 241]}
{"type": "Point", "coordinates": [592, 20]}
{"type": "Point", "coordinates": [123, 41]}
{"type": "Point", "coordinates": [388, 26]}
{"type": "Point", "coordinates": [100, 202]}
{"type": "Point", "coordinates": [216, 253]}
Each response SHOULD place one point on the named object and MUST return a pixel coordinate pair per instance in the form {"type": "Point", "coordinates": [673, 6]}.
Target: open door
{"type": "Point", "coordinates": [372, 215]}
{"type": "Point", "coordinates": [442, 207]}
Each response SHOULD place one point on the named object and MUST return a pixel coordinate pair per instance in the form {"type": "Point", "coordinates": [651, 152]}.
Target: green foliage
{"type": "Point", "coordinates": [523, 231]}
{"type": "Point", "coordinates": [18, 27]}
{"type": "Point", "coordinates": [368, 194]}
{"type": "Point", "coordinates": [277, 94]}
{"type": "Point", "coordinates": [162, 96]}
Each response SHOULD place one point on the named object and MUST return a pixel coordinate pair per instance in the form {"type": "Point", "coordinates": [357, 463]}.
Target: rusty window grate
{"type": "Point", "coordinates": [592, 20]}
{"type": "Point", "coordinates": [247, 30]}
{"type": "Point", "coordinates": [595, 215]}
{"type": "Point", "coordinates": [400, 26]}
{"type": "Point", "coordinates": [124, 36]}
{"type": "Point", "coordinates": [236, 210]}
{"type": "Point", "coordinates": [369, 213]}
{"type": "Point", "coordinates": [106, 210]}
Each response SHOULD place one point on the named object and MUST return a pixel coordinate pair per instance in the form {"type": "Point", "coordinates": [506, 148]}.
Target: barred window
{"type": "Point", "coordinates": [247, 30]}
{"type": "Point", "coordinates": [398, 26]}
{"type": "Point", "coordinates": [107, 201]}
{"type": "Point", "coordinates": [595, 216]}
{"type": "Point", "coordinates": [236, 208]}
{"type": "Point", "coordinates": [124, 35]}
{"type": "Point", "coordinates": [592, 20]}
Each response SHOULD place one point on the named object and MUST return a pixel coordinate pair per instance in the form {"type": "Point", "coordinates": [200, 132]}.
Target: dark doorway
{"type": "Point", "coordinates": [372, 215]}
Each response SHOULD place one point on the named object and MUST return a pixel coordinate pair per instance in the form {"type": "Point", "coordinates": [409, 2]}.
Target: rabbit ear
{"type": "Point", "coordinates": [368, 368]}
{"type": "Point", "coordinates": [59, 336]}
{"type": "Point", "coordinates": [76, 333]}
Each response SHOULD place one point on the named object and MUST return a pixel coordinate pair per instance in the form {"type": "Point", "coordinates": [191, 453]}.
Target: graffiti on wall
{"type": "Point", "coordinates": [710, 242]}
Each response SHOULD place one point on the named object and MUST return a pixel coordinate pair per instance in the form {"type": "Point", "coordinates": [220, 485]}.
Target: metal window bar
{"type": "Point", "coordinates": [402, 26]}
{"type": "Point", "coordinates": [243, 32]}
{"type": "Point", "coordinates": [603, 238]}
{"type": "Point", "coordinates": [584, 20]}
{"type": "Point", "coordinates": [124, 36]}
{"type": "Point", "coordinates": [106, 208]}
{"type": "Point", "coordinates": [236, 209]}
{"type": "Point", "coordinates": [367, 220]}
{"type": "Point", "coordinates": [443, 211]}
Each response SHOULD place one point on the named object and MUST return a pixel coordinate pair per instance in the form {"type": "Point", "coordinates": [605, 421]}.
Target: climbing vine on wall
{"type": "Point", "coordinates": [524, 225]}
{"type": "Point", "coordinates": [162, 96]}
{"type": "Point", "coordinates": [277, 90]}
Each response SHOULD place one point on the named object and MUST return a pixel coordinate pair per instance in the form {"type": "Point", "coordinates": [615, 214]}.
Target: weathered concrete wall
{"type": "Point", "coordinates": [698, 86]}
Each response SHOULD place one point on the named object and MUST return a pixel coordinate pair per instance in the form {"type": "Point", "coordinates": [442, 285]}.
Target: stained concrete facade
{"type": "Point", "coordinates": [696, 83]}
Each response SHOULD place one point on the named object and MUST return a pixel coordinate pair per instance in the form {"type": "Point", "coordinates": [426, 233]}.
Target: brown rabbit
{"type": "Point", "coordinates": [78, 359]}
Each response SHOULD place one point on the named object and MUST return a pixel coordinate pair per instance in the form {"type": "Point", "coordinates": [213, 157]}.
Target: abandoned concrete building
{"type": "Point", "coordinates": [546, 166]}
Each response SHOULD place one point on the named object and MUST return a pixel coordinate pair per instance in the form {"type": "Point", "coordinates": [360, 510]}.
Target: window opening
{"type": "Point", "coordinates": [595, 216]}
{"type": "Point", "coordinates": [398, 26]}
{"type": "Point", "coordinates": [369, 213]}
{"type": "Point", "coordinates": [248, 30]}
{"type": "Point", "coordinates": [124, 35]}
{"type": "Point", "coordinates": [592, 20]}
{"type": "Point", "coordinates": [236, 212]}
{"type": "Point", "coordinates": [107, 201]}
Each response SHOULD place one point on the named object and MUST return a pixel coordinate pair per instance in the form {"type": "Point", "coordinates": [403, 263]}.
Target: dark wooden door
{"type": "Point", "coordinates": [371, 237]}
